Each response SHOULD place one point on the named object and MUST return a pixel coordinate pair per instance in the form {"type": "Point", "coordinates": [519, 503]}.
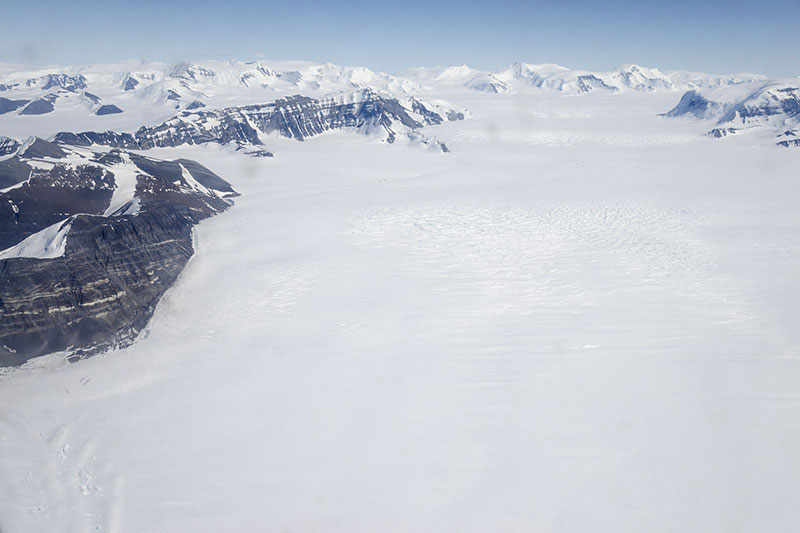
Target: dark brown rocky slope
{"type": "Point", "coordinates": [103, 287]}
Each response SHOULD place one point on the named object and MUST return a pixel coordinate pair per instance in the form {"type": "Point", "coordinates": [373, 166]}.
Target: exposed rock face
{"type": "Point", "coordinates": [13, 171]}
{"type": "Point", "coordinates": [693, 103]}
{"type": "Point", "coordinates": [103, 288]}
{"type": "Point", "coordinates": [772, 104]}
{"type": "Point", "coordinates": [92, 97]}
{"type": "Point", "coordinates": [61, 81]}
{"type": "Point", "coordinates": [7, 105]}
{"type": "Point", "coordinates": [295, 117]}
{"type": "Point", "coordinates": [7, 146]}
{"type": "Point", "coordinates": [718, 133]}
{"type": "Point", "coordinates": [770, 101]}
{"type": "Point", "coordinates": [590, 82]}
{"type": "Point", "coordinates": [117, 261]}
{"type": "Point", "coordinates": [46, 196]}
{"type": "Point", "coordinates": [109, 109]}
{"type": "Point", "coordinates": [39, 107]}
{"type": "Point", "coordinates": [130, 83]}
{"type": "Point", "coordinates": [791, 138]}
{"type": "Point", "coordinates": [44, 91]}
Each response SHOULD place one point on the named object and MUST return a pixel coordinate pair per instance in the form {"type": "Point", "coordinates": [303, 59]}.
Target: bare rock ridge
{"type": "Point", "coordinates": [296, 117]}
{"type": "Point", "coordinates": [90, 242]}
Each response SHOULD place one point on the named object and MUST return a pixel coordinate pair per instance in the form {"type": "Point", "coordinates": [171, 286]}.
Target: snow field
{"type": "Point", "coordinates": [592, 336]}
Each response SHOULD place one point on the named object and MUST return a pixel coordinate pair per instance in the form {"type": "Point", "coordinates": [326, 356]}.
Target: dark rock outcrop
{"type": "Point", "coordinates": [254, 152]}
{"type": "Point", "coordinates": [693, 103]}
{"type": "Point", "coordinates": [7, 146]}
{"type": "Point", "coordinates": [13, 171]}
{"type": "Point", "coordinates": [64, 81]}
{"type": "Point", "coordinates": [108, 138]}
{"type": "Point", "coordinates": [7, 105]}
{"type": "Point", "coordinates": [130, 83]}
{"type": "Point", "coordinates": [109, 109]}
{"type": "Point", "coordinates": [102, 291]}
{"type": "Point", "coordinates": [92, 97]}
{"type": "Point", "coordinates": [718, 133]}
{"type": "Point", "coordinates": [103, 288]}
{"type": "Point", "coordinates": [590, 82]}
{"type": "Point", "coordinates": [40, 106]}
{"type": "Point", "coordinates": [50, 195]}
{"type": "Point", "coordinates": [41, 148]}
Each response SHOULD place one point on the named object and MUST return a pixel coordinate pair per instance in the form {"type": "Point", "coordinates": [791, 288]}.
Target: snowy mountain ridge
{"type": "Point", "coordinates": [771, 104]}
{"type": "Point", "coordinates": [549, 76]}
{"type": "Point", "coordinates": [132, 95]}
{"type": "Point", "coordinates": [135, 85]}
{"type": "Point", "coordinates": [184, 85]}
{"type": "Point", "coordinates": [297, 117]}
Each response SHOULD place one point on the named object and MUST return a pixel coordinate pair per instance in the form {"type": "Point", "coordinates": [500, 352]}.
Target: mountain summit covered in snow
{"type": "Point", "coordinates": [548, 76]}
{"type": "Point", "coordinates": [135, 93]}
{"type": "Point", "coordinates": [772, 105]}
{"type": "Point", "coordinates": [163, 104]}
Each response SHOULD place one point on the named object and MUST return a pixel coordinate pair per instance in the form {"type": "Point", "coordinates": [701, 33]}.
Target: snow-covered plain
{"type": "Point", "coordinates": [584, 318]}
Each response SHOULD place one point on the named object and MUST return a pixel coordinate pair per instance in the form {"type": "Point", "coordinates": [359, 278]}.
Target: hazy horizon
{"type": "Point", "coordinates": [716, 37]}
{"type": "Point", "coordinates": [398, 72]}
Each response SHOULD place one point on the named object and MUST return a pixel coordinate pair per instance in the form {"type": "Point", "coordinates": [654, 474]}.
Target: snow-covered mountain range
{"type": "Point", "coordinates": [772, 105]}
{"type": "Point", "coordinates": [581, 318]}
{"type": "Point", "coordinates": [296, 117]}
{"type": "Point", "coordinates": [50, 188]}
{"type": "Point", "coordinates": [192, 97]}
{"type": "Point", "coordinates": [552, 77]}
{"type": "Point", "coordinates": [183, 85]}
{"type": "Point", "coordinates": [131, 94]}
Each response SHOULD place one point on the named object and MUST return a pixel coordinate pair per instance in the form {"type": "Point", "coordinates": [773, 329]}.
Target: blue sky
{"type": "Point", "coordinates": [712, 35]}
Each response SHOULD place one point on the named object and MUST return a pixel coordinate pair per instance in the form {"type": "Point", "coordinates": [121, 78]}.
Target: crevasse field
{"type": "Point", "coordinates": [584, 318]}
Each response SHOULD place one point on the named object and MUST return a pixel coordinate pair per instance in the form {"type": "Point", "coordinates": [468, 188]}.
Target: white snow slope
{"type": "Point", "coordinates": [48, 243]}
{"type": "Point", "coordinates": [584, 318]}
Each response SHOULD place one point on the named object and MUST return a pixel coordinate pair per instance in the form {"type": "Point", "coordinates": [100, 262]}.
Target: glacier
{"type": "Point", "coordinates": [581, 318]}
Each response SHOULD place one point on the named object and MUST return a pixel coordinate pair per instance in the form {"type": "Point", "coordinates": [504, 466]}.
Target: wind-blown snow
{"type": "Point", "coordinates": [581, 319]}
{"type": "Point", "coordinates": [49, 243]}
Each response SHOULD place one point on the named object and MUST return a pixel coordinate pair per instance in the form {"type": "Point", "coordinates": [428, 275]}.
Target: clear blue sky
{"type": "Point", "coordinates": [712, 35]}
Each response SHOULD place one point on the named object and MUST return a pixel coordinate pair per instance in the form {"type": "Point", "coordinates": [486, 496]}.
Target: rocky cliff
{"type": "Point", "coordinates": [90, 242]}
